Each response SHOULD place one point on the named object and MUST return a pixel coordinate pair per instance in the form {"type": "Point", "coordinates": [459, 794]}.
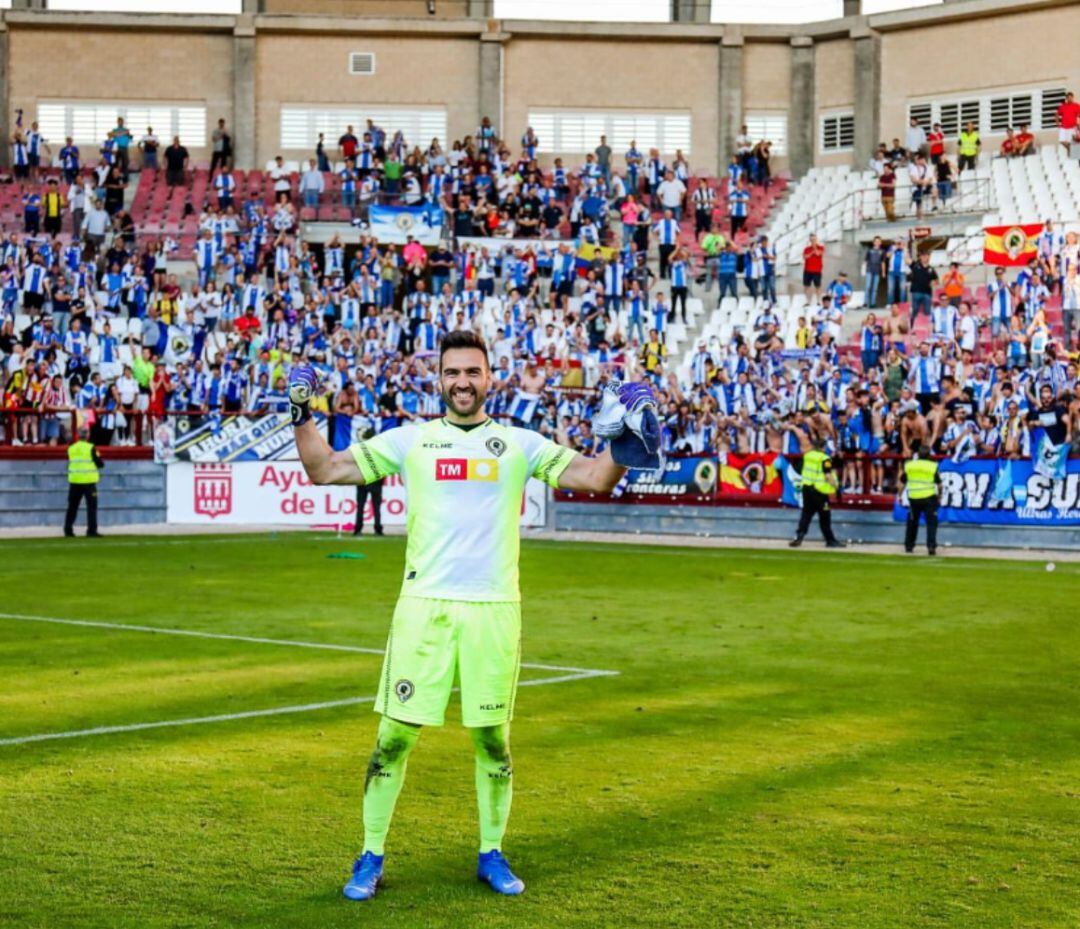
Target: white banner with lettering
{"type": "Point", "coordinates": [279, 492]}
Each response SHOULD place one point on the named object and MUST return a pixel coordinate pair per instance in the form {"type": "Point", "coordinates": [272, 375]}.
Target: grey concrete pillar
{"type": "Point", "coordinates": [251, 7]}
{"type": "Point", "coordinates": [243, 74]}
{"type": "Point", "coordinates": [729, 111]}
{"type": "Point", "coordinates": [691, 11]}
{"type": "Point", "coordinates": [5, 98]}
{"type": "Point", "coordinates": [490, 101]}
{"type": "Point", "coordinates": [851, 7]}
{"type": "Point", "coordinates": [481, 9]}
{"type": "Point", "coordinates": [867, 94]}
{"type": "Point", "coordinates": [801, 112]}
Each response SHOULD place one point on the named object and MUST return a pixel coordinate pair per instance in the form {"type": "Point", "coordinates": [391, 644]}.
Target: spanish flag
{"type": "Point", "coordinates": [1012, 246]}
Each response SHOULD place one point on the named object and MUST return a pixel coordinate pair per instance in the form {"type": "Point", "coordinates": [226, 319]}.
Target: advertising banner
{"type": "Point", "coordinates": [279, 492]}
{"type": "Point", "coordinates": [1003, 492]}
{"type": "Point", "coordinates": [694, 476]}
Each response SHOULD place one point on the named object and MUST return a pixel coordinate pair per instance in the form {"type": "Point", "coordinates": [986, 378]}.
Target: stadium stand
{"type": "Point", "coordinates": [140, 282]}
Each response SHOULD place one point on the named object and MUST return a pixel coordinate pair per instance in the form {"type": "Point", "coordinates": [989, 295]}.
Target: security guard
{"type": "Point", "coordinates": [363, 491]}
{"type": "Point", "coordinates": [922, 480]}
{"type": "Point", "coordinates": [84, 464]}
{"type": "Point", "coordinates": [968, 145]}
{"type": "Point", "coordinates": [819, 485]}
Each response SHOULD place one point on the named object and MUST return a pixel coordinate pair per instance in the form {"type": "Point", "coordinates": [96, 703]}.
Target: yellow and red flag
{"type": "Point", "coordinates": [1010, 245]}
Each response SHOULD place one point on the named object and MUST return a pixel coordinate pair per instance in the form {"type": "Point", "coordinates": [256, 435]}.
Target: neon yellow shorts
{"type": "Point", "coordinates": [430, 640]}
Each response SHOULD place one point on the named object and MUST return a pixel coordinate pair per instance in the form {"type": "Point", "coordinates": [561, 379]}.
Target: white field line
{"type": "Point", "coordinates": [571, 674]}
{"type": "Point", "coordinates": [259, 640]}
{"type": "Point", "coordinates": [252, 714]}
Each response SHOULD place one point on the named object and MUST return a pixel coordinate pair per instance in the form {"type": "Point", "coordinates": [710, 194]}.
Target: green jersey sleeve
{"type": "Point", "coordinates": [547, 460]}
{"type": "Point", "coordinates": [384, 454]}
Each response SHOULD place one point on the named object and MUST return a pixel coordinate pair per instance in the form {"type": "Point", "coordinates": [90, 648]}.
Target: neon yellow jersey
{"type": "Point", "coordinates": [464, 492]}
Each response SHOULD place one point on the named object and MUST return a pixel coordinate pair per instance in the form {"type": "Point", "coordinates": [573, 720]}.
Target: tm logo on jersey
{"type": "Point", "coordinates": [466, 469]}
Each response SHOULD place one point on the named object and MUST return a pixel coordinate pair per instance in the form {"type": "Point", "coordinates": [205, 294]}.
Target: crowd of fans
{"type": "Point", "coordinates": [102, 324]}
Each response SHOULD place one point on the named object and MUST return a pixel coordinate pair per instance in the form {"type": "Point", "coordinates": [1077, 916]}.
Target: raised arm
{"type": "Point", "coordinates": [322, 464]}
{"type": "Point", "coordinates": [597, 475]}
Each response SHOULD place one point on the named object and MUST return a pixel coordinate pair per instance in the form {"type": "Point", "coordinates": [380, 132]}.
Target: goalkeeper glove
{"type": "Point", "coordinates": [303, 383]}
{"type": "Point", "coordinates": [627, 420]}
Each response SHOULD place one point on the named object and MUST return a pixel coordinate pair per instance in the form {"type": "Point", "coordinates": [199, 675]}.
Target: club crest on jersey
{"type": "Point", "coordinates": [466, 469]}
{"type": "Point", "coordinates": [404, 690]}
{"type": "Point", "coordinates": [495, 445]}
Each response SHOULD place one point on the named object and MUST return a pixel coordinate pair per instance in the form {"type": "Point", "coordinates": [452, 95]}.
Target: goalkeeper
{"type": "Point", "coordinates": [460, 606]}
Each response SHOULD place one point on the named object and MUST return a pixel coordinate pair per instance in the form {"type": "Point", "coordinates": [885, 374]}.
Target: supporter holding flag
{"type": "Point", "coordinates": [1052, 424]}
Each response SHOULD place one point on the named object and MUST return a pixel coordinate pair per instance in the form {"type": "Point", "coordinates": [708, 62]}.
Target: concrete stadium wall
{"type": "Point", "coordinates": [766, 523]}
{"type": "Point", "coordinates": [107, 65]}
{"type": "Point", "coordinates": [568, 73]}
{"type": "Point", "coordinates": [312, 69]}
{"type": "Point", "coordinates": [34, 493]}
{"type": "Point", "coordinates": [956, 57]}
{"type": "Point", "coordinates": [294, 51]}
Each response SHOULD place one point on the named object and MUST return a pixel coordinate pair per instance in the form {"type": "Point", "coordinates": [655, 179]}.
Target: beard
{"type": "Point", "coordinates": [466, 402]}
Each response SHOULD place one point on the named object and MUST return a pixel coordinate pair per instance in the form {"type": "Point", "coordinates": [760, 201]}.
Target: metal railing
{"type": "Point", "coordinates": [969, 195]}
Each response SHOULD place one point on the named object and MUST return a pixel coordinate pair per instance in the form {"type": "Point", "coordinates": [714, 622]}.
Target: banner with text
{"type": "Point", "coordinates": [1003, 492]}
{"type": "Point", "coordinates": [227, 437]}
{"type": "Point", "coordinates": [694, 476]}
{"type": "Point", "coordinates": [279, 492]}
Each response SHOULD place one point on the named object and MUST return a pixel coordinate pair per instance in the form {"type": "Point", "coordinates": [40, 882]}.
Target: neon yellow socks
{"type": "Point", "coordinates": [494, 783]}
{"type": "Point", "coordinates": [385, 777]}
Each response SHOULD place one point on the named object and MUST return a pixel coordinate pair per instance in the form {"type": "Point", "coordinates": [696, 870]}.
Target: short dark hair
{"type": "Point", "coordinates": [462, 338]}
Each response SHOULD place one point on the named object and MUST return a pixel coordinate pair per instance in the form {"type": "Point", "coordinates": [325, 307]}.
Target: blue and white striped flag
{"type": "Point", "coordinates": [523, 407]}
{"type": "Point", "coordinates": [965, 448]}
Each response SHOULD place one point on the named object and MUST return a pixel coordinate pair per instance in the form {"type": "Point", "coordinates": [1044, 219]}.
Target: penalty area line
{"type": "Point", "coordinates": [260, 640]}
{"type": "Point", "coordinates": [254, 714]}
{"type": "Point", "coordinates": [568, 674]}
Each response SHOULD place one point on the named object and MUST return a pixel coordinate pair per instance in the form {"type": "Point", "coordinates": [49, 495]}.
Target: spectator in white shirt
{"type": "Point", "coordinates": [78, 197]}
{"type": "Point", "coordinates": [96, 225]}
{"type": "Point", "coordinates": [671, 192]}
{"type": "Point", "coordinates": [311, 185]}
{"type": "Point", "coordinates": [915, 140]}
{"type": "Point", "coordinates": [281, 179]}
{"type": "Point", "coordinates": [967, 328]}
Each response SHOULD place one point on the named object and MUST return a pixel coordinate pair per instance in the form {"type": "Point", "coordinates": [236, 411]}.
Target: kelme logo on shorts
{"type": "Point", "coordinates": [403, 689]}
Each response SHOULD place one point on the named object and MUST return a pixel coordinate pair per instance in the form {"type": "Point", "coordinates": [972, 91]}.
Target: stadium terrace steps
{"type": "Point", "coordinates": [34, 493]}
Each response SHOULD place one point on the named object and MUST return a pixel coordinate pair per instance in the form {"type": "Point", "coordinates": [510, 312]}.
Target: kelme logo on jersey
{"type": "Point", "coordinates": [466, 469]}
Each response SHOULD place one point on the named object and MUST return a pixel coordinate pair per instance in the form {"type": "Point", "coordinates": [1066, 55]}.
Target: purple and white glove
{"type": "Point", "coordinates": [303, 384]}
{"type": "Point", "coordinates": [627, 420]}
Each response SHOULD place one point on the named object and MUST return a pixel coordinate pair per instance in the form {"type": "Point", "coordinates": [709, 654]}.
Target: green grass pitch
{"type": "Point", "coordinates": [793, 740]}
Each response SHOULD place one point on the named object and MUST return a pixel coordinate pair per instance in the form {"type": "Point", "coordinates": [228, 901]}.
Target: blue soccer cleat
{"type": "Point", "coordinates": [494, 870]}
{"type": "Point", "coordinates": [366, 874]}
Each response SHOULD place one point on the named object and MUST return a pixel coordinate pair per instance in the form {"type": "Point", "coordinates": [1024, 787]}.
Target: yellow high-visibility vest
{"type": "Point", "coordinates": [969, 143]}
{"type": "Point", "coordinates": [920, 474]}
{"type": "Point", "coordinates": [81, 467]}
{"type": "Point", "coordinates": [813, 472]}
